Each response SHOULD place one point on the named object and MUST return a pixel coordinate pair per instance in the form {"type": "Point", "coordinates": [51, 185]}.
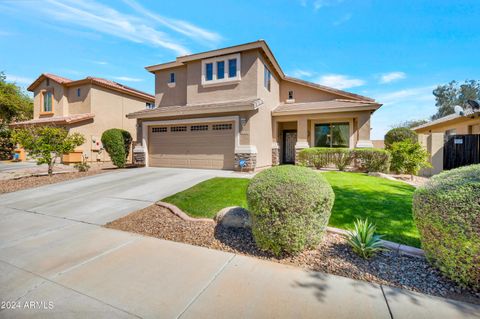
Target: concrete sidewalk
{"type": "Point", "coordinates": [62, 259]}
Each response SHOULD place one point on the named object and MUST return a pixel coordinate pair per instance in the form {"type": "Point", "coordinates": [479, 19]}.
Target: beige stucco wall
{"type": "Point", "coordinates": [246, 88]}
{"type": "Point", "coordinates": [60, 103]}
{"type": "Point", "coordinates": [167, 95]}
{"type": "Point", "coordinates": [302, 93]}
{"type": "Point", "coordinates": [261, 122]}
{"type": "Point", "coordinates": [433, 143]}
{"type": "Point", "coordinates": [110, 108]}
{"type": "Point", "coordinates": [461, 125]}
{"type": "Point", "coordinates": [79, 104]}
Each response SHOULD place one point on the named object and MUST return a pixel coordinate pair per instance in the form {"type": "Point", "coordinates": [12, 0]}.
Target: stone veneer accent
{"type": "Point", "coordinates": [138, 155]}
{"type": "Point", "coordinates": [275, 156]}
{"type": "Point", "coordinates": [250, 158]}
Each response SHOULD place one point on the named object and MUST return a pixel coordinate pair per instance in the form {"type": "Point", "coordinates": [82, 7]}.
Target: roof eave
{"type": "Point", "coordinates": [329, 110]}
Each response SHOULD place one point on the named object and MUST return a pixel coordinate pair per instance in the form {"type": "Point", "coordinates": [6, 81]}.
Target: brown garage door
{"type": "Point", "coordinates": [202, 145]}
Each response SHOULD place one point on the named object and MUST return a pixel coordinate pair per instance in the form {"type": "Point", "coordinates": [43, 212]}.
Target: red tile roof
{"type": "Point", "coordinates": [99, 81]}
{"type": "Point", "coordinates": [56, 120]}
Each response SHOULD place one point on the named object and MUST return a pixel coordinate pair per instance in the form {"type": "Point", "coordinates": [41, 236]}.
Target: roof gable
{"type": "Point", "coordinates": [93, 80]}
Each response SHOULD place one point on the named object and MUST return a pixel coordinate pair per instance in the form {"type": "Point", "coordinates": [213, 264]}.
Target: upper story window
{"type": "Point", "coordinates": [219, 70]}
{"type": "Point", "coordinates": [232, 68]}
{"type": "Point", "coordinates": [267, 78]}
{"type": "Point", "coordinates": [172, 78]}
{"type": "Point", "coordinates": [48, 81]}
{"type": "Point", "coordinates": [47, 97]}
{"type": "Point", "coordinates": [78, 92]}
{"type": "Point", "coordinates": [209, 71]}
{"type": "Point", "coordinates": [290, 95]}
{"type": "Point", "coordinates": [150, 105]}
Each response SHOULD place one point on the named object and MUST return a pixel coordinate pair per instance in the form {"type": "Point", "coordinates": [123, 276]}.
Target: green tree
{"type": "Point", "coordinates": [454, 93]}
{"type": "Point", "coordinates": [409, 124]}
{"type": "Point", "coordinates": [47, 143]}
{"type": "Point", "coordinates": [15, 105]}
{"type": "Point", "coordinates": [117, 143]}
{"type": "Point", "coordinates": [408, 157]}
{"type": "Point", "coordinates": [398, 135]}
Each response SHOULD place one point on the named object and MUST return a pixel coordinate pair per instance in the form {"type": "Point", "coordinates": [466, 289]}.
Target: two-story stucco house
{"type": "Point", "coordinates": [234, 107]}
{"type": "Point", "coordinates": [88, 106]}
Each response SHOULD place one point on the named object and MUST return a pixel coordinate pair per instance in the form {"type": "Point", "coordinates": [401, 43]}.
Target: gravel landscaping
{"type": "Point", "coordinates": [333, 255]}
{"type": "Point", "coordinates": [13, 185]}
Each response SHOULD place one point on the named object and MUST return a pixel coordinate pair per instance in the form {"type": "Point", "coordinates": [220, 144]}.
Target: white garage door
{"type": "Point", "coordinates": [201, 145]}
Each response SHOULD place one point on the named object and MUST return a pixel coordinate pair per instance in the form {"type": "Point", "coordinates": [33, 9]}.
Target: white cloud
{"type": "Point", "coordinates": [180, 26]}
{"type": "Point", "coordinates": [302, 73]}
{"type": "Point", "coordinates": [318, 4]}
{"type": "Point", "coordinates": [126, 79]}
{"type": "Point", "coordinates": [19, 79]}
{"type": "Point", "coordinates": [343, 19]}
{"type": "Point", "coordinates": [139, 26]}
{"type": "Point", "coordinates": [401, 105]}
{"type": "Point", "coordinates": [392, 76]}
{"type": "Point", "coordinates": [340, 81]}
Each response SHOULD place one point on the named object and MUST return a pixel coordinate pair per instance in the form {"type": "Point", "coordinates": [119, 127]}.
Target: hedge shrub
{"type": "Point", "coordinates": [446, 211]}
{"type": "Point", "coordinates": [323, 156]}
{"type": "Point", "coordinates": [372, 159]}
{"type": "Point", "coordinates": [400, 134]}
{"type": "Point", "coordinates": [408, 157]}
{"type": "Point", "coordinates": [117, 144]}
{"type": "Point", "coordinates": [290, 208]}
{"type": "Point", "coordinates": [368, 159]}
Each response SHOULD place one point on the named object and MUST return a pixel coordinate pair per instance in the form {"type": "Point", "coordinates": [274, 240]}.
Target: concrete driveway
{"type": "Point", "coordinates": [57, 261]}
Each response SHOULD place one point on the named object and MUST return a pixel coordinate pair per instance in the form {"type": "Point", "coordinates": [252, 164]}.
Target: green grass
{"type": "Point", "coordinates": [207, 198]}
{"type": "Point", "coordinates": [386, 203]}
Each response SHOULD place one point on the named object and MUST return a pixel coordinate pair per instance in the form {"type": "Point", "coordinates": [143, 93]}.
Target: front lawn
{"type": "Point", "coordinates": [207, 198]}
{"type": "Point", "coordinates": [385, 202]}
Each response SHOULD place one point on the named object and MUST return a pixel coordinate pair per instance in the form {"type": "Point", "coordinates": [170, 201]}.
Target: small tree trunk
{"type": "Point", "coordinates": [50, 169]}
{"type": "Point", "coordinates": [411, 177]}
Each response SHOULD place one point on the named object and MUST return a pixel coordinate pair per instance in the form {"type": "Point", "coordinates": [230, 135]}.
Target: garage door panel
{"type": "Point", "coordinates": [193, 149]}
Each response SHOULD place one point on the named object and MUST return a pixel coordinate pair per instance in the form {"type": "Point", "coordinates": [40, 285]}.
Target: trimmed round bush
{"type": "Point", "coordinates": [447, 213]}
{"type": "Point", "coordinates": [117, 144]}
{"type": "Point", "coordinates": [400, 134]}
{"type": "Point", "coordinates": [290, 208]}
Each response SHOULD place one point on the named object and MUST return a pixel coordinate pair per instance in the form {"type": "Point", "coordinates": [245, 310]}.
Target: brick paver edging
{"type": "Point", "coordinates": [399, 248]}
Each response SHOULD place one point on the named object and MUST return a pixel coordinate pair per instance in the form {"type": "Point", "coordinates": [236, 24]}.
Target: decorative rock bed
{"type": "Point", "coordinates": [333, 255]}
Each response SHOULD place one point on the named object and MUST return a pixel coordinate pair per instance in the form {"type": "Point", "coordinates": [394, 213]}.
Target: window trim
{"type": "Point", "coordinates": [42, 101]}
{"type": "Point", "coordinates": [352, 139]}
{"type": "Point", "coordinates": [267, 78]}
{"type": "Point", "coordinates": [226, 79]}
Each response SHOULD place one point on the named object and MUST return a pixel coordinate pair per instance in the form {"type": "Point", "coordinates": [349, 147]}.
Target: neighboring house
{"type": "Point", "coordinates": [88, 106]}
{"type": "Point", "coordinates": [435, 134]}
{"type": "Point", "coordinates": [234, 107]}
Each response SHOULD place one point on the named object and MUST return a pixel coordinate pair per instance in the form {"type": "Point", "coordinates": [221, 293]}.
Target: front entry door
{"type": "Point", "coordinates": [289, 141]}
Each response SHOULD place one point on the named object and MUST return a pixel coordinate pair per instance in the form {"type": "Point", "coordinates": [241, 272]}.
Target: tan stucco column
{"type": "Point", "coordinates": [364, 130]}
{"type": "Point", "coordinates": [275, 146]}
{"type": "Point", "coordinates": [302, 136]}
{"type": "Point", "coordinates": [433, 143]}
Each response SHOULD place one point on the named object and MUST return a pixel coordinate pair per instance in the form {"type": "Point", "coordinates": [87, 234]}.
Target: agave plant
{"type": "Point", "coordinates": [363, 240]}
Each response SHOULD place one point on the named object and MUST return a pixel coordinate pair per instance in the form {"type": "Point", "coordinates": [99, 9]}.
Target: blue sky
{"type": "Point", "coordinates": [393, 51]}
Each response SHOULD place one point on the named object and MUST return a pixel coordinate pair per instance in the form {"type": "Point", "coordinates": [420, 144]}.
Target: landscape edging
{"type": "Point", "coordinates": [399, 248]}
{"type": "Point", "coordinates": [396, 247]}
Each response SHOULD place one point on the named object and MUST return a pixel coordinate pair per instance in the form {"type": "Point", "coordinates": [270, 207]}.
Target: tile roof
{"type": "Point", "coordinates": [201, 108]}
{"type": "Point", "coordinates": [99, 81]}
{"type": "Point", "coordinates": [447, 118]}
{"type": "Point", "coordinates": [324, 107]}
{"type": "Point", "coordinates": [56, 120]}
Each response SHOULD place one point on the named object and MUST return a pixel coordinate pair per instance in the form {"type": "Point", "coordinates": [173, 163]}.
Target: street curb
{"type": "Point", "coordinates": [396, 247]}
